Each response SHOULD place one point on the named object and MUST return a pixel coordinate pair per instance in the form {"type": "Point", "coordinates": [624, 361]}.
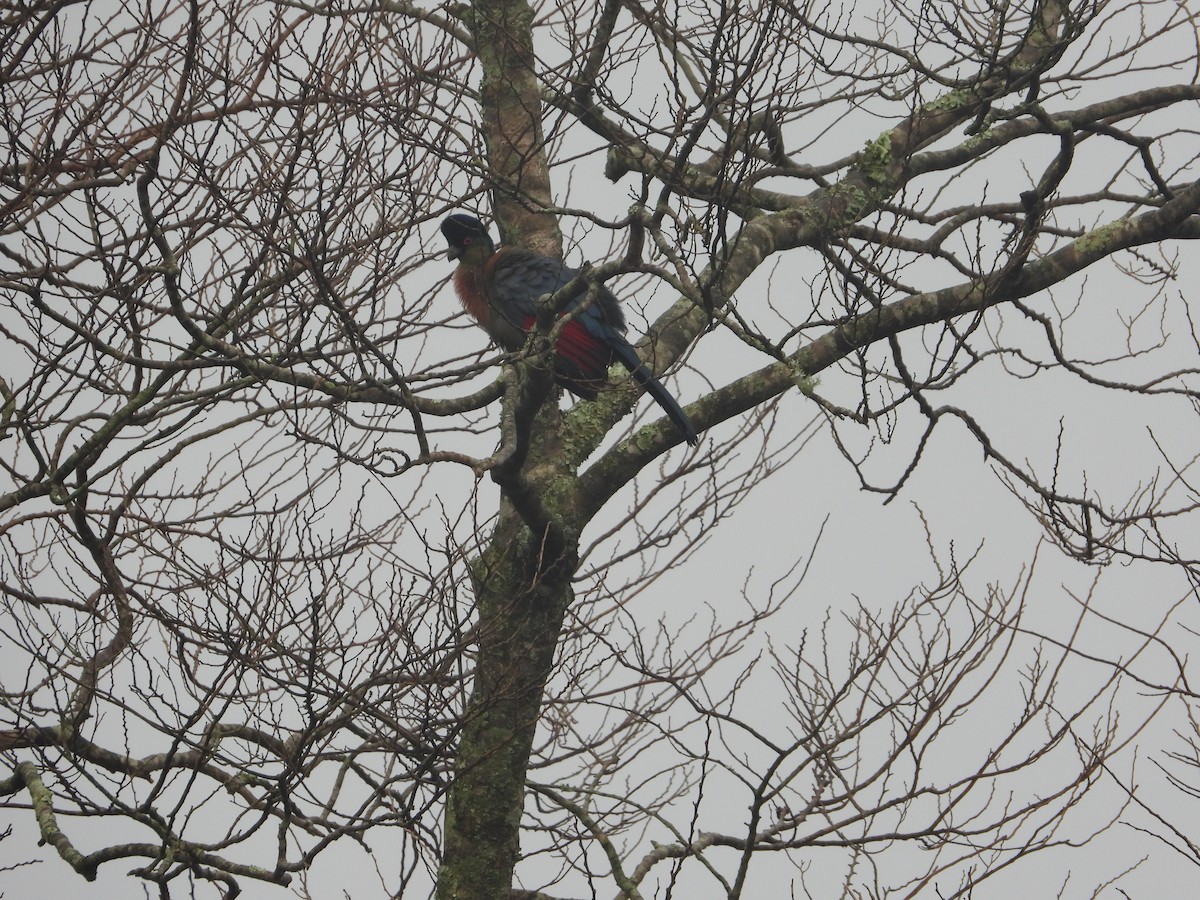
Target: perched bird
{"type": "Point", "coordinates": [499, 289]}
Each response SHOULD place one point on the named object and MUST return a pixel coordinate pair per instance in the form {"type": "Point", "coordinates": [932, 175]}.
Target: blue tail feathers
{"type": "Point", "coordinates": [628, 357]}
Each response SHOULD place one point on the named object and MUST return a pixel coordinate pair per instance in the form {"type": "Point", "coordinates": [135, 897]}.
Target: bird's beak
{"type": "Point", "coordinates": [453, 253]}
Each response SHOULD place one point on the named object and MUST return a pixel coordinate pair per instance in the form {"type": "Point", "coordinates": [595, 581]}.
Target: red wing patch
{"type": "Point", "coordinates": [583, 359]}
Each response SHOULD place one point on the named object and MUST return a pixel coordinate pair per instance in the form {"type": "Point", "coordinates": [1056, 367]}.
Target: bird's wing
{"type": "Point", "coordinates": [518, 277]}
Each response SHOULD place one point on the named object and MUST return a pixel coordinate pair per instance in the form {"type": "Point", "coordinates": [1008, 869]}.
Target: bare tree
{"type": "Point", "coordinates": [291, 561]}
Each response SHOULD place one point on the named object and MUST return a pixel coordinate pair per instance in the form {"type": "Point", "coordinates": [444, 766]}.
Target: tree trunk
{"type": "Point", "coordinates": [519, 622]}
{"type": "Point", "coordinates": [523, 588]}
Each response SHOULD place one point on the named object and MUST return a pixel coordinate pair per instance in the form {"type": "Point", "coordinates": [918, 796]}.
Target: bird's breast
{"type": "Point", "coordinates": [468, 284]}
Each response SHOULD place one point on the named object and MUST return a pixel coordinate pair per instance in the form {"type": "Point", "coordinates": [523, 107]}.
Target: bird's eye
{"type": "Point", "coordinates": [467, 241]}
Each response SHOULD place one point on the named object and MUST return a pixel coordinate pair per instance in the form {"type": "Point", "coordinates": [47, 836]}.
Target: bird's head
{"type": "Point", "coordinates": [468, 239]}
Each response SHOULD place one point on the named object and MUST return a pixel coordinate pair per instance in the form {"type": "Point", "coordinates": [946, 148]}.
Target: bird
{"type": "Point", "coordinates": [499, 288]}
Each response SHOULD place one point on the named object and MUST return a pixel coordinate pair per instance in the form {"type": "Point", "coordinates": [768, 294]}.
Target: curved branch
{"type": "Point", "coordinates": [615, 469]}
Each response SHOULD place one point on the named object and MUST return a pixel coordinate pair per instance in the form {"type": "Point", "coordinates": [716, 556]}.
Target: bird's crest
{"type": "Point", "coordinates": [462, 232]}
